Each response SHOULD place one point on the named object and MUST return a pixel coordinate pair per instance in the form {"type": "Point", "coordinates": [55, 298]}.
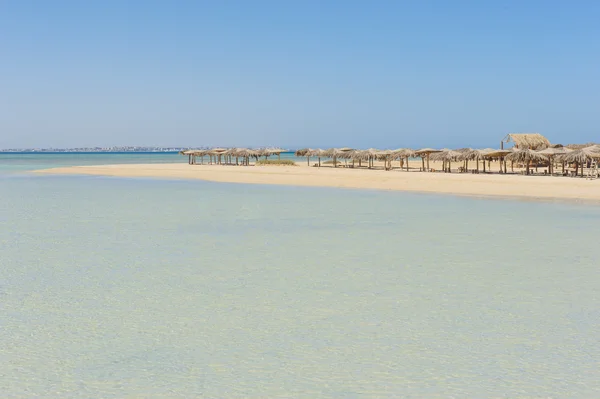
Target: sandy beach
{"type": "Point", "coordinates": [531, 187]}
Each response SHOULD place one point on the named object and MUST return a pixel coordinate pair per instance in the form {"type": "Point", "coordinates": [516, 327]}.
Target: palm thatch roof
{"type": "Point", "coordinates": [464, 150]}
{"type": "Point", "coordinates": [425, 151]}
{"type": "Point", "coordinates": [336, 152]}
{"type": "Point", "coordinates": [497, 154]}
{"type": "Point", "coordinates": [303, 152]}
{"type": "Point", "coordinates": [533, 141]}
{"type": "Point", "coordinates": [525, 156]}
{"type": "Point", "coordinates": [383, 155]}
{"type": "Point", "coordinates": [245, 152]}
{"type": "Point", "coordinates": [403, 153]}
{"type": "Point", "coordinates": [580, 146]}
{"type": "Point", "coordinates": [273, 151]}
{"type": "Point", "coordinates": [582, 155]}
{"type": "Point", "coordinates": [476, 153]}
{"type": "Point", "coordinates": [446, 155]}
{"type": "Point", "coordinates": [551, 151]}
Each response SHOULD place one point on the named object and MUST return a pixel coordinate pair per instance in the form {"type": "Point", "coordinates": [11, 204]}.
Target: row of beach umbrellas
{"type": "Point", "coordinates": [551, 155]}
{"type": "Point", "coordinates": [221, 155]}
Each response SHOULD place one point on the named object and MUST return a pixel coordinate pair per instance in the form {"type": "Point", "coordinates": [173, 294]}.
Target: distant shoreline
{"type": "Point", "coordinates": [463, 184]}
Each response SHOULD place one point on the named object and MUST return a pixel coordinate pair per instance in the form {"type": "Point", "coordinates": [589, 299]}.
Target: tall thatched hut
{"type": "Point", "coordinates": [532, 141]}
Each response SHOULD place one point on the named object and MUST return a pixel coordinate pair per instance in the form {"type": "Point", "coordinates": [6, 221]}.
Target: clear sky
{"type": "Point", "coordinates": [325, 73]}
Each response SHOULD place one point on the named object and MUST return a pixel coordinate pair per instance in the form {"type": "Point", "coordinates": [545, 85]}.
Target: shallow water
{"type": "Point", "coordinates": [22, 162]}
{"type": "Point", "coordinates": [114, 288]}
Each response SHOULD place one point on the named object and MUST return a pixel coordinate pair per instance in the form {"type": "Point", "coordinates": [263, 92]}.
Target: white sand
{"type": "Point", "coordinates": [540, 187]}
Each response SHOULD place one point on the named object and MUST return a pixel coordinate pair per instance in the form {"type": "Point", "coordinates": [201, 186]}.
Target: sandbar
{"type": "Point", "coordinates": [487, 185]}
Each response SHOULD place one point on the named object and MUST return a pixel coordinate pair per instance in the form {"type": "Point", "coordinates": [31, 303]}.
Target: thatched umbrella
{"type": "Point", "coordinates": [192, 154]}
{"type": "Point", "coordinates": [189, 154]}
{"type": "Point", "coordinates": [463, 154]}
{"type": "Point", "coordinates": [245, 154]}
{"type": "Point", "coordinates": [499, 155]}
{"type": "Point", "coordinates": [580, 146]}
{"type": "Point", "coordinates": [447, 156]}
{"type": "Point", "coordinates": [476, 155]}
{"type": "Point", "coordinates": [425, 153]}
{"type": "Point", "coordinates": [274, 151]}
{"type": "Point", "coordinates": [551, 153]}
{"type": "Point", "coordinates": [526, 156]}
{"type": "Point", "coordinates": [402, 153]}
{"type": "Point", "coordinates": [581, 157]}
{"type": "Point", "coordinates": [386, 157]}
{"type": "Point", "coordinates": [217, 153]}
{"type": "Point", "coordinates": [371, 155]}
{"type": "Point", "coordinates": [335, 153]}
{"type": "Point", "coordinates": [318, 153]}
{"type": "Point", "coordinates": [357, 155]}
{"type": "Point", "coordinates": [304, 152]}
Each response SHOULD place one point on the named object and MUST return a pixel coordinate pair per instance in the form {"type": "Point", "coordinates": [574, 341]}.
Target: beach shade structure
{"type": "Point", "coordinates": [189, 154]}
{"type": "Point", "coordinates": [446, 156]}
{"type": "Point", "coordinates": [580, 146]}
{"type": "Point", "coordinates": [304, 152]}
{"type": "Point", "coordinates": [317, 153]}
{"type": "Point", "coordinates": [232, 153]}
{"type": "Point", "coordinates": [386, 157]}
{"type": "Point", "coordinates": [274, 151]}
{"type": "Point", "coordinates": [526, 156]}
{"type": "Point", "coordinates": [425, 153]}
{"type": "Point", "coordinates": [216, 154]}
{"type": "Point", "coordinates": [532, 141]}
{"type": "Point", "coordinates": [402, 154]}
{"type": "Point", "coordinates": [499, 155]}
{"type": "Point", "coordinates": [581, 157]}
{"type": "Point", "coordinates": [243, 153]}
{"type": "Point", "coordinates": [247, 154]}
{"type": "Point", "coordinates": [335, 153]}
{"type": "Point", "coordinates": [463, 152]}
{"type": "Point", "coordinates": [477, 155]}
{"type": "Point", "coordinates": [551, 153]}
{"type": "Point", "coordinates": [371, 155]}
{"type": "Point", "coordinates": [192, 154]}
{"type": "Point", "coordinates": [358, 156]}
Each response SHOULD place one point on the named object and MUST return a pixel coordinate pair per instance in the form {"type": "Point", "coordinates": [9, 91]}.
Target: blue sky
{"type": "Point", "coordinates": [297, 73]}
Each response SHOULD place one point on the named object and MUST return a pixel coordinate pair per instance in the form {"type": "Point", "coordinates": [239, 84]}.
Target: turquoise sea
{"type": "Point", "coordinates": [144, 288]}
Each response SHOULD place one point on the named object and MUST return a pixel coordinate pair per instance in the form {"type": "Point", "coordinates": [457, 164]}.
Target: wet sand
{"type": "Point", "coordinates": [532, 187]}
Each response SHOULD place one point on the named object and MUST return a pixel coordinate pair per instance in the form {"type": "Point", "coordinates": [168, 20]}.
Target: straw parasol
{"type": "Point", "coordinates": [526, 156]}
{"type": "Point", "coordinates": [475, 155]}
{"type": "Point", "coordinates": [274, 151]}
{"type": "Point", "coordinates": [304, 152]}
{"type": "Point", "coordinates": [581, 156]}
{"type": "Point", "coordinates": [402, 153]}
{"type": "Point", "coordinates": [425, 153]}
{"type": "Point", "coordinates": [192, 154]}
{"type": "Point", "coordinates": [447, 156]}
{"type": "Point", "coordinates": [386, 157]}
{"type": "Point", "coordinates": [317, 152]}
{"type": "Point", "coordinates": [552, 152]}
{"type": "Point", "coordinates": [335, 153]}
{"type": "Point", "coordinates": [580, 146]}
{"type": "Point", "coordinates": [499, 155]}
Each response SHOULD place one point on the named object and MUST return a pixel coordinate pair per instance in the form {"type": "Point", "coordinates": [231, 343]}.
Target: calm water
{"type": "Point", "coordinates": [133, 288]}
{"type": "Point", "coordinates": [19, 162]}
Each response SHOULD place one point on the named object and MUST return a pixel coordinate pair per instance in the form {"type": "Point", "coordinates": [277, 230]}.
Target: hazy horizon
{"type": "Point", "coordinates": [384, 75]}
